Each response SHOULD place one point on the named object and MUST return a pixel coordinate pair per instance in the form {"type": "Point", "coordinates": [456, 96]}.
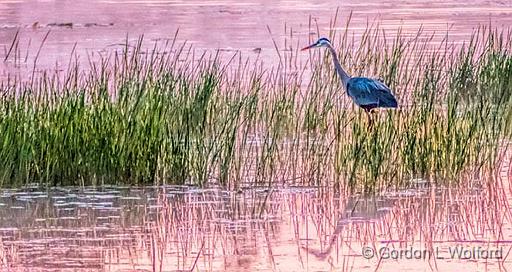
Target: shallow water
{"type": "Point", "coordinates": [288, 229]}
{"type": "Point", "coordinates": [101, 26]}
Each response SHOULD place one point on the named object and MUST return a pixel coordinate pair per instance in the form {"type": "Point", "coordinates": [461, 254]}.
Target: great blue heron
{"type": "Point", "coordinates": [367, 93]}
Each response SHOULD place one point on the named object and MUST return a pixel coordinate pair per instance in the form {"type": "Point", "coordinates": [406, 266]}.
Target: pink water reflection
{"type": "Point", "coordinates": [288, 229]}
{"type": "Point", "coordinates": [100, 26]}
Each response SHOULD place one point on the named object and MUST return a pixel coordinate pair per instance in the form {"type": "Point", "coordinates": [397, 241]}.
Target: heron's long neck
{"type": "Point", "coordinates": [343, 75]}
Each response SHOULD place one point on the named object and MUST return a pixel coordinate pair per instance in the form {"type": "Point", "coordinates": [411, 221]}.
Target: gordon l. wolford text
{"type": "Point", "coordinates": [452, 252]}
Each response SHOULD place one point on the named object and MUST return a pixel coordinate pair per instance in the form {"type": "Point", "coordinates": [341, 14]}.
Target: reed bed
{"type": "Point", "coordinates": [170, 116]}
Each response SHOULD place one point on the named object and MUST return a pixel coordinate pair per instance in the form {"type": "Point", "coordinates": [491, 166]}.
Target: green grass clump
{"type": "Point", "coordinates": [155, 117]}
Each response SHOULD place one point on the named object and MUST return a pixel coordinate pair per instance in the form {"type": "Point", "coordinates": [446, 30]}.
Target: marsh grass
{"type": "Point", "coordinates": [168, 115]}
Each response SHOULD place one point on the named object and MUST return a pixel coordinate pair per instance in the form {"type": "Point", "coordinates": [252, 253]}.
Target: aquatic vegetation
{"type": "Point", "coordinates": [169, 116]}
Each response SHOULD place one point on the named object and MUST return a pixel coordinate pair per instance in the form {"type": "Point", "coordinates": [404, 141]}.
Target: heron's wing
{"type": "Point", "coordinates": [386, 98]}
{"type": "Point", "coordinates": [359, 90]}
{"type": "Point", "coordinates": [367, 91]}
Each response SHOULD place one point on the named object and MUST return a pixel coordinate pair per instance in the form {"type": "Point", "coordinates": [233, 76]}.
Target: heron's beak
{"type": "Point", "coordinates": [308, 47]}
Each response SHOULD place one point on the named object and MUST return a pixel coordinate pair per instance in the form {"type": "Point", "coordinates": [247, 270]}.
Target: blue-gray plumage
{"type": "Point", "coordinates": [365, 92]}
{"type": "Point", "coordinates": [370, 93]}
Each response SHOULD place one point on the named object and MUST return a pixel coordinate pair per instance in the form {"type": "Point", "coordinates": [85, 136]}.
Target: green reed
{"type": "Point", "coordinates": [144, 117]}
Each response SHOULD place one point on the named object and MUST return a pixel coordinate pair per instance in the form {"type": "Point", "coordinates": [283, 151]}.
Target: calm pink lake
{"type": "Point", "coordinates": [100, 26]}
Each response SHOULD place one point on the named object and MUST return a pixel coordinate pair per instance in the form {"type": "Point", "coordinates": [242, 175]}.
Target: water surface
{"type": "Point", "coordinates": [101, 26]}
{"type": "Point", "coordinates": [182, 228]}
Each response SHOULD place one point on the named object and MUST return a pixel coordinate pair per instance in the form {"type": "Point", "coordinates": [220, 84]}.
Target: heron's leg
{"type": "Point", "coordinates": [370, 119]}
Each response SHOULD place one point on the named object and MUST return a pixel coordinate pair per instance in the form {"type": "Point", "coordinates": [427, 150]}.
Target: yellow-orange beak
{"type": "Point", "coordinates": [308, 47]}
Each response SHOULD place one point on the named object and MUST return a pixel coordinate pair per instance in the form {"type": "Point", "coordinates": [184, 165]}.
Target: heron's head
{"type": "Point", "coordinates": [322, 42]}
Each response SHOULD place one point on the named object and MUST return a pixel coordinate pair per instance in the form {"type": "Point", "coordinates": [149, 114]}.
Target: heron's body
{"type": "Point", "coordinates": [370, 93]}
{"type": "Point", "coordinates": [367, 93]}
